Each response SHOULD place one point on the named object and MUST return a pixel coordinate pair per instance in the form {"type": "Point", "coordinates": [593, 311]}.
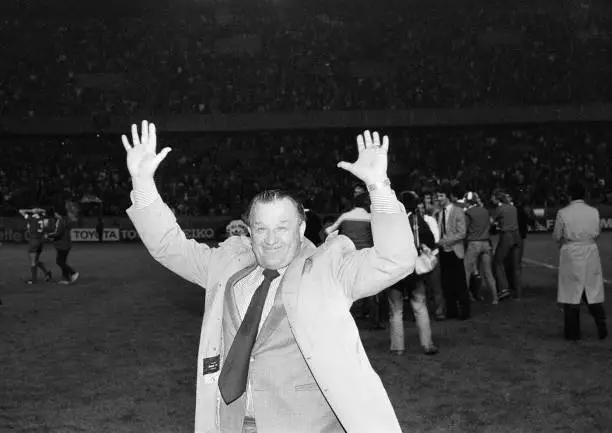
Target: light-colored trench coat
{"type": "Point", "coordinates": [318, 290]}
{"type": "Point", "coordinates": [577, 227]}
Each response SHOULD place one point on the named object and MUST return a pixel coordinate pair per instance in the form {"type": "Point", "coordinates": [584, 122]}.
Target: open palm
{"type": "Point", "coordinates": [371, 164]}
{"type": "Point", "coordinates": [141, 155]}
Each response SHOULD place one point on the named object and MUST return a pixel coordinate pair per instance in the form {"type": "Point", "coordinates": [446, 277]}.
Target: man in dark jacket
{"type": "Point", "coordinates": [63, 244]}
{"type": "Point", "coordinates": [314, 225]}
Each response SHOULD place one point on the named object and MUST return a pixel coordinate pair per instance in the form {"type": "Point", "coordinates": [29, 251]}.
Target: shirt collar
{"type": "Point", "coordinates": [259, 270]}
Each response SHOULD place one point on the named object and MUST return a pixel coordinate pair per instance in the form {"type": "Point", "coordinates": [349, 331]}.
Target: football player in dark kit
{"type": "Point", "coordinates": [60, 235]}
{"type": "Point", "coordinates": [36, 226]}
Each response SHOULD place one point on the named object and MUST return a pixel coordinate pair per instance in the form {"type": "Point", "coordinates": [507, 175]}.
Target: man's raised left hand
{"type": "Point", "coordinates": [371, 164]}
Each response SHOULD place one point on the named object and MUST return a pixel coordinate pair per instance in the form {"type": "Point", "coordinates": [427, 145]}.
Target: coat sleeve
{"type": "Point", "coordinates": [366, 272]}
{"type": "Point", "coordinates": [167, 244]}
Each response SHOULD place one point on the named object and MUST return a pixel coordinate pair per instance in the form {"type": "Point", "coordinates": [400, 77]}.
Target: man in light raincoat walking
{"type": "Point", "coordinates": [580, 277]}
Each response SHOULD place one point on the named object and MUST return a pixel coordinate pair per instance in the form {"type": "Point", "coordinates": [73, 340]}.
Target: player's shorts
{"type": "Point", "coordinates": [35, 246]}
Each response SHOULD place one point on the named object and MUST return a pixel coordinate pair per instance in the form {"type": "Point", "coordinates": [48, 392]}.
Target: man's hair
{"type": "Point", "coordinates": [270, 196]}
{"type": "Point", "coordinates": [501, 196]}
{"type": "Point", "coordinates": [576, 191]}
{"type": "Point", "coordinates": [445, 188]}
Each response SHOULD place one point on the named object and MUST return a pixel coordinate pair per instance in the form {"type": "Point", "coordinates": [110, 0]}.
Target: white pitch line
{"type": "Point", "coordinates": [548, 266]}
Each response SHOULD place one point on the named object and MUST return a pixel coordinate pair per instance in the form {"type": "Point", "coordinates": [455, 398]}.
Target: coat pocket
{"type": "Point", "coordinates": [307, 387]}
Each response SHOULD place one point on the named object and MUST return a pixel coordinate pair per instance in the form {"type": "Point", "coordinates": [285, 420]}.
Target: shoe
{"type": "Point", "coordinates": [504, 294]}
{"type": "Point", "coordinates": [30, 282]}
{"type": "Point", "coordinates": [74, 277]}
{"type": "Point", "coordinates": [602, 332]}
{"type": "Point", "coordinates": [48, 276]}
{"type": "Point", "coordinates": [440, 317]}
{"type": "Point", "coordinates": [431, 350]}
{"type": "Point", "coordinates": [63, 282]}
{"type": "Point", "coordinates": [397, 352]}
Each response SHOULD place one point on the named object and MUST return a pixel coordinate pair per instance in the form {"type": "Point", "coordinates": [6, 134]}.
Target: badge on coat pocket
{"type": "Point", "coordinates": [211, 365]}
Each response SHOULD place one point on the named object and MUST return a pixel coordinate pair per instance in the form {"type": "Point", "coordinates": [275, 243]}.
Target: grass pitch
{"type": "Point", "coordinates": [116, 353]}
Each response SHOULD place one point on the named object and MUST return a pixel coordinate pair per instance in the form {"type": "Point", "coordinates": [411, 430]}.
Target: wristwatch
{"type": "Point", "coordinates": [379, 185]}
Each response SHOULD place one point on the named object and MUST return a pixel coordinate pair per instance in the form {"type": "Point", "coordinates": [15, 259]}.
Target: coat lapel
{"type": "Point", "coordinates": [229, 292]}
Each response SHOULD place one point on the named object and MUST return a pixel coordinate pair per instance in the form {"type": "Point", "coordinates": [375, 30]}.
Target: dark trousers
{"type": "Point", "coordinates": [571, 314]}
{"type": "Point", "coordinates": [61, 259]}
{"type": "Point", "coordinates": [454, 286]}
{"type": "Point", "coordinates": [508, 252]}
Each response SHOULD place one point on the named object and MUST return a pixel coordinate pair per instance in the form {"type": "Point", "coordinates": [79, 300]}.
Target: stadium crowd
{"type": "Point", "coordinates": [269, 57]}
{"type": "Point", "coordinates": [286, 57]}
{"type": "Point", "coordinates": [215, 173]}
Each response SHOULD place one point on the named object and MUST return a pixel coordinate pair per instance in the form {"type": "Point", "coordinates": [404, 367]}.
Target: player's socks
{"type": "Point", "coordinates": [34, 274]}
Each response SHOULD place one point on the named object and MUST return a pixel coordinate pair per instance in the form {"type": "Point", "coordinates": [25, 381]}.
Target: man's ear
{"type": "Point", "coordinates": [302, 229]}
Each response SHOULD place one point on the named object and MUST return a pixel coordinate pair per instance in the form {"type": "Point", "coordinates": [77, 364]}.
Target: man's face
{"type": "Point", "coordinates": [276, 233]}
{"type": "Point", "coordinates": [428, 199]}
{"type": "Point", "coordinates": [421, 208]}
{"type": "Point", "coordinates": [442, 199]}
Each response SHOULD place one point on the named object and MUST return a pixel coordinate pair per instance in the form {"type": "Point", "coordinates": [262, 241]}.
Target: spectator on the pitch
{"type": "Point", "coordinates": [508, 247]}
{"type": "Point", "coordinates": [479, 250]}
{"type": "Point", "coordinates": [414, 285]}
{"type": "Point", "coordinates": [451, 220]}
{"type": "Point", "coordinates": [100, 230]}
{"type": "Point", "coordinates": [356, 225]}
{"type": "Point", "coordinates": [580, 277]}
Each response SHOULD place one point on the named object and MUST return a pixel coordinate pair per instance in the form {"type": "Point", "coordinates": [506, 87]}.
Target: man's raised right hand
{"type": "Point", "coordinates": [142, 157]}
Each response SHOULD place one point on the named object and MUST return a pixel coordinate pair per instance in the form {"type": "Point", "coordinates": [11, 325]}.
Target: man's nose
{"type": "Point", "coordinates": [270, 238]}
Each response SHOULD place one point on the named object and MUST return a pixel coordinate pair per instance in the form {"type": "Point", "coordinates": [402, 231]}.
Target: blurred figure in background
{"type": "Point", "coordinates": [314, 225]}
{"type": "Point", "coordinates": [36, 227]}
{"type": "Point", "coordinates": [236, 227]}
{"type": "Point", "coordinates": [100, 230]}
{"type": "Point", "coordinates": [356, 225]}
{"type": "Point", "coordinates": [577, 227]}
{"type": "Point", "coordinates": [479, 249]}
{"type": "Point", "coordinates": [508, 247]}
{"type": "Point", "coordinates": [525, 219]}
{"type": "Point", "coordinates": [451, 220]}
{"type": "Point", "coordinates": [60, 235]}
{"type": "Point", "coordinates": [414, 284]}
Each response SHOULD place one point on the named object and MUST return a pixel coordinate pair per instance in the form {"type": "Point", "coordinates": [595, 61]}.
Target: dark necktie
{"type": "Point", "coordinates": [443, 221]}
{"type": "Point", "coordinates": [233, 377]}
